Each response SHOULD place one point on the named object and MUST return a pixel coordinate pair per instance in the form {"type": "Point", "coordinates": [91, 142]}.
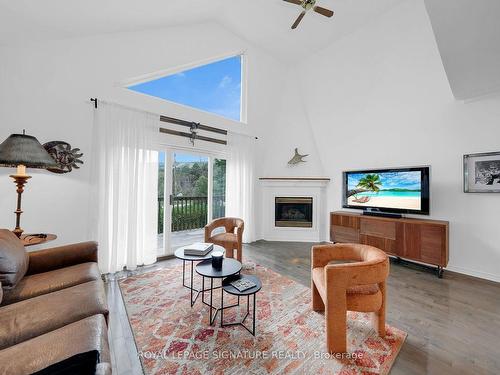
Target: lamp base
{"type": "Point", "coordinates": [20, 181]}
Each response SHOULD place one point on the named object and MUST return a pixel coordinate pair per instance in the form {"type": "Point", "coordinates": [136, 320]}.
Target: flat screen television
{"type": "Point", "coordinates": [394, 190]}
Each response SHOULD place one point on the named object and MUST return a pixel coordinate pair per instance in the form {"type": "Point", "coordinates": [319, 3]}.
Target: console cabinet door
{"type": "Point", "coordinates": [412, 241]}
{"type": "Point", "coordinates": [426, 243]}
{"type": "Point", "coordinates": [344, 229]}
{"type": "Point", "coordinates": [433, 244]}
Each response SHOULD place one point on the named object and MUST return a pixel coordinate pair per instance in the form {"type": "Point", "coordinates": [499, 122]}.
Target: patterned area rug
{"type": "Point", "coordinates": [173, 338]}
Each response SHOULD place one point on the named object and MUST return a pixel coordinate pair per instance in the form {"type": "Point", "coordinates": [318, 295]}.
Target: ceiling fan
{"type": "Point", "coordinates": [308, 5]}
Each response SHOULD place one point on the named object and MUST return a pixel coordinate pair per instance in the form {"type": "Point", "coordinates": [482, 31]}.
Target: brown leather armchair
{"type": "Point", "coordinates": [231, 239]}
{"type": "Point", "coordinates": [357, 286]}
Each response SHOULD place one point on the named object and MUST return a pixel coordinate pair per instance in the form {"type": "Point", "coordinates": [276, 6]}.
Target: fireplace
{"type": "Point", "coordinates": [293, 212]}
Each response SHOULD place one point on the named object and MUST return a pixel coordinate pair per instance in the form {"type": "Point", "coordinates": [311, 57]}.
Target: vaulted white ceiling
{"type": "Point", "coordinates": [467, 31]}
{"type": "Point", "coordinates": [265, 23]}
{"type": "Point", "coordinates": [468, 36]}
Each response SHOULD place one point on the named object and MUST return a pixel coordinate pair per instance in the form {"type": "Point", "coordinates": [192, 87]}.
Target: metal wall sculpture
{"type": "Point", "coordinates": [297, 158]}
{"type": "Point", "coordinates": [65, 156]}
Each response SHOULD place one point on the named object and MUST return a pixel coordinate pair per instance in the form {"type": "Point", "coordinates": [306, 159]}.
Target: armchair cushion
{"type": "Point", "coordinates": [62, 256]}
{"type": "Point", "coordinates": [225, 238]}
{"type": "Point", "coordinates": [13, 259]}
{"type": "Point", "coordinates": [42, 283]}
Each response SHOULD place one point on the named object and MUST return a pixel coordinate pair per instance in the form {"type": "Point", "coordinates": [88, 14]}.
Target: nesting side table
{"type": "Point", "coordinates": [228, 288]}
{"type": "Point", "coordinates": [179, 253]}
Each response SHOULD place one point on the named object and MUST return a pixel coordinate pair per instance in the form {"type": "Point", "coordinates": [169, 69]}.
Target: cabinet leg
{"type": "Point", "coordinates": [440, 272]}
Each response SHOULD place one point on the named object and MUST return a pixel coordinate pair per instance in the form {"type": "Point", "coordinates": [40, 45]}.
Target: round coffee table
{"type": "Point", "coordinates": [228, 288]}
{"type": "Point", "coordinates": [179, 253]}
{"type": "Point", "coordinates": [229, 267]}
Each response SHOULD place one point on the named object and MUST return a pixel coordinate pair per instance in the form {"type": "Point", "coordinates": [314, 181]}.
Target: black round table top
{"type": "Point", "coordinates": [232, 290]}
{"type": "Point", "coordinates": [230, 266]}
{"type": "Point", "coordinates": [179, 253]}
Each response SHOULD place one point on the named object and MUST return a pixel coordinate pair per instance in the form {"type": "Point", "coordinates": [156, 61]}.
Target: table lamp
{"type": "Point", "coordinates": [21, 151]}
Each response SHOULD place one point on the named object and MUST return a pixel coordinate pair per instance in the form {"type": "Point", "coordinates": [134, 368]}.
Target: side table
{"type": "Point", "coordinates": [230, 267]}
{"type": "Point", "coordinates": [228, 288]}
{"type": "Point", "coordinates": [179, 253]}
{"type": "Point", "coordinates": [37, 239]}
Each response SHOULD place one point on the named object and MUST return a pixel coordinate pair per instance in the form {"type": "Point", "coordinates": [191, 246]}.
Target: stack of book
{"type": "Point", "coordinates": [198, 249]}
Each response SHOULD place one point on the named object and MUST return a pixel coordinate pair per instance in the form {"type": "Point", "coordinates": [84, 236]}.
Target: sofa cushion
{"type": "Point", "coordinates": [13, 259]}
{"type": "Point", "coordinates": [79, 364]}
{"type": "Point", "coordinates": [59, 349]}
{"type": "Point", "coordinates": [42, 283]}
{"type": "Point", "coordinates": [36, 316]}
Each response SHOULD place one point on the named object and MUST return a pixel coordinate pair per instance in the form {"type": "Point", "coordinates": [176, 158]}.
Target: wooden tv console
{"type": "Point", "coordinates": [420, 240]}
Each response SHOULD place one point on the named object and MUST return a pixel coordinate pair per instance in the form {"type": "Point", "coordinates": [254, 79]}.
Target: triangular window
{"type": "Point", "coordinates": [214, 88]}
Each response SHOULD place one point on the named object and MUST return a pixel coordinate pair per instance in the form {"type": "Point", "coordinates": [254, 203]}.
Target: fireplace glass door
{"type": "Point", "coordinates": [293, 212]}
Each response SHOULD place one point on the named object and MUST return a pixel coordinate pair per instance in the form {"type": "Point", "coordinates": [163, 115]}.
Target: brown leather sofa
{"type": "Point", "coordinates": [53, 310]}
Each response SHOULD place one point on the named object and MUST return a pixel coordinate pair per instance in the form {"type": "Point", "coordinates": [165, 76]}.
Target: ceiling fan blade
{"type": "Point", "coordinates": [296, 2]}
{"type": "Point", "coordinates": [297, 21]}
{"type": "Point", "coordinates": [325, 12]}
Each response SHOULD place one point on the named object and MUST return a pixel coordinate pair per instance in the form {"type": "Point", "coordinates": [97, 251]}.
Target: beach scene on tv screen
{"type": "Point", "coordinates": [385, 190]}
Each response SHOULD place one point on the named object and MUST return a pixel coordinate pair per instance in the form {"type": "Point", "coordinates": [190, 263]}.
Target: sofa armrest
{"type": "Point", "coordinates": [62, 256]}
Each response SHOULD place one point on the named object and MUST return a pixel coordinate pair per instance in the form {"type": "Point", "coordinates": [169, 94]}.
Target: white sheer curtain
{"type": "Point", "coordinates": [240, 182]}
{"type": "Point", "coordinates": [124, 187]}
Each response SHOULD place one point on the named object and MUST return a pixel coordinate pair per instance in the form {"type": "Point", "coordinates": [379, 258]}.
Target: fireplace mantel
{"type": "Point", "coordinates": [303, 187]}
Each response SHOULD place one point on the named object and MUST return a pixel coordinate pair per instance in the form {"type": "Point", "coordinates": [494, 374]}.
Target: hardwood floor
{"type": "Point", "coordinates": [453, 323]}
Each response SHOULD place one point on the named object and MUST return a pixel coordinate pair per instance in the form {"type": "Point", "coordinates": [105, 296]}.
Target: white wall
{"type": "Point", "coordinates": [45, 88]}
{"type": "Point", "coordinates": [380, 98]}
{"type": "Point", "coordinates": [289, 129]}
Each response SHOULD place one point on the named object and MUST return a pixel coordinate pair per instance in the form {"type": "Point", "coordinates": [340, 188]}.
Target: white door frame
{"type": "Point", "coordinates": [167, 208]}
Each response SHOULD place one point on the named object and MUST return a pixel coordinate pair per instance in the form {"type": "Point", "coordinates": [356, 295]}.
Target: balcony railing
{"type": "Point", "coordinates": [190, 212]}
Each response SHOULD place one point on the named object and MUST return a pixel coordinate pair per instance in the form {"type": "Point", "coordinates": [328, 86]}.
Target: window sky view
{"type": "Point", "coordinates": [215, 88]}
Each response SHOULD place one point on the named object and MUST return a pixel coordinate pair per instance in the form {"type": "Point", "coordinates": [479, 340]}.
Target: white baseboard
{"type": "Point", "coordinates": [479, 274]}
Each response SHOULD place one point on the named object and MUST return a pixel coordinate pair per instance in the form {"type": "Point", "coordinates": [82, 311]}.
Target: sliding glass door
{"type": "Point", "coordinates": [218, 188]}
{"type": "Point", "coordinates": [191, 192]}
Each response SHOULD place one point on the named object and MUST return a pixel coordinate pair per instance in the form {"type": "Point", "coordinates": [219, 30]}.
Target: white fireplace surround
{"type": "Point", "coordinates": [315, 188]}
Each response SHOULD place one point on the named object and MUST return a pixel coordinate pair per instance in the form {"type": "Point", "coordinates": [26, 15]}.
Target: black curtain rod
{"type": "Point", "coordinates": [193, 136]}
{"type": "Point", "coordinates": [192, 125]}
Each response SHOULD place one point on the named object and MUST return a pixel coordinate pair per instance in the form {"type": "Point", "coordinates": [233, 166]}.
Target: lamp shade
{"type": "Point", "coordinates": [22, 149]}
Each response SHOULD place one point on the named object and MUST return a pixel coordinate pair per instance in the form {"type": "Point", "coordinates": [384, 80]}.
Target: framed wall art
{"type": "Point", "coordinates": [482, 173]}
